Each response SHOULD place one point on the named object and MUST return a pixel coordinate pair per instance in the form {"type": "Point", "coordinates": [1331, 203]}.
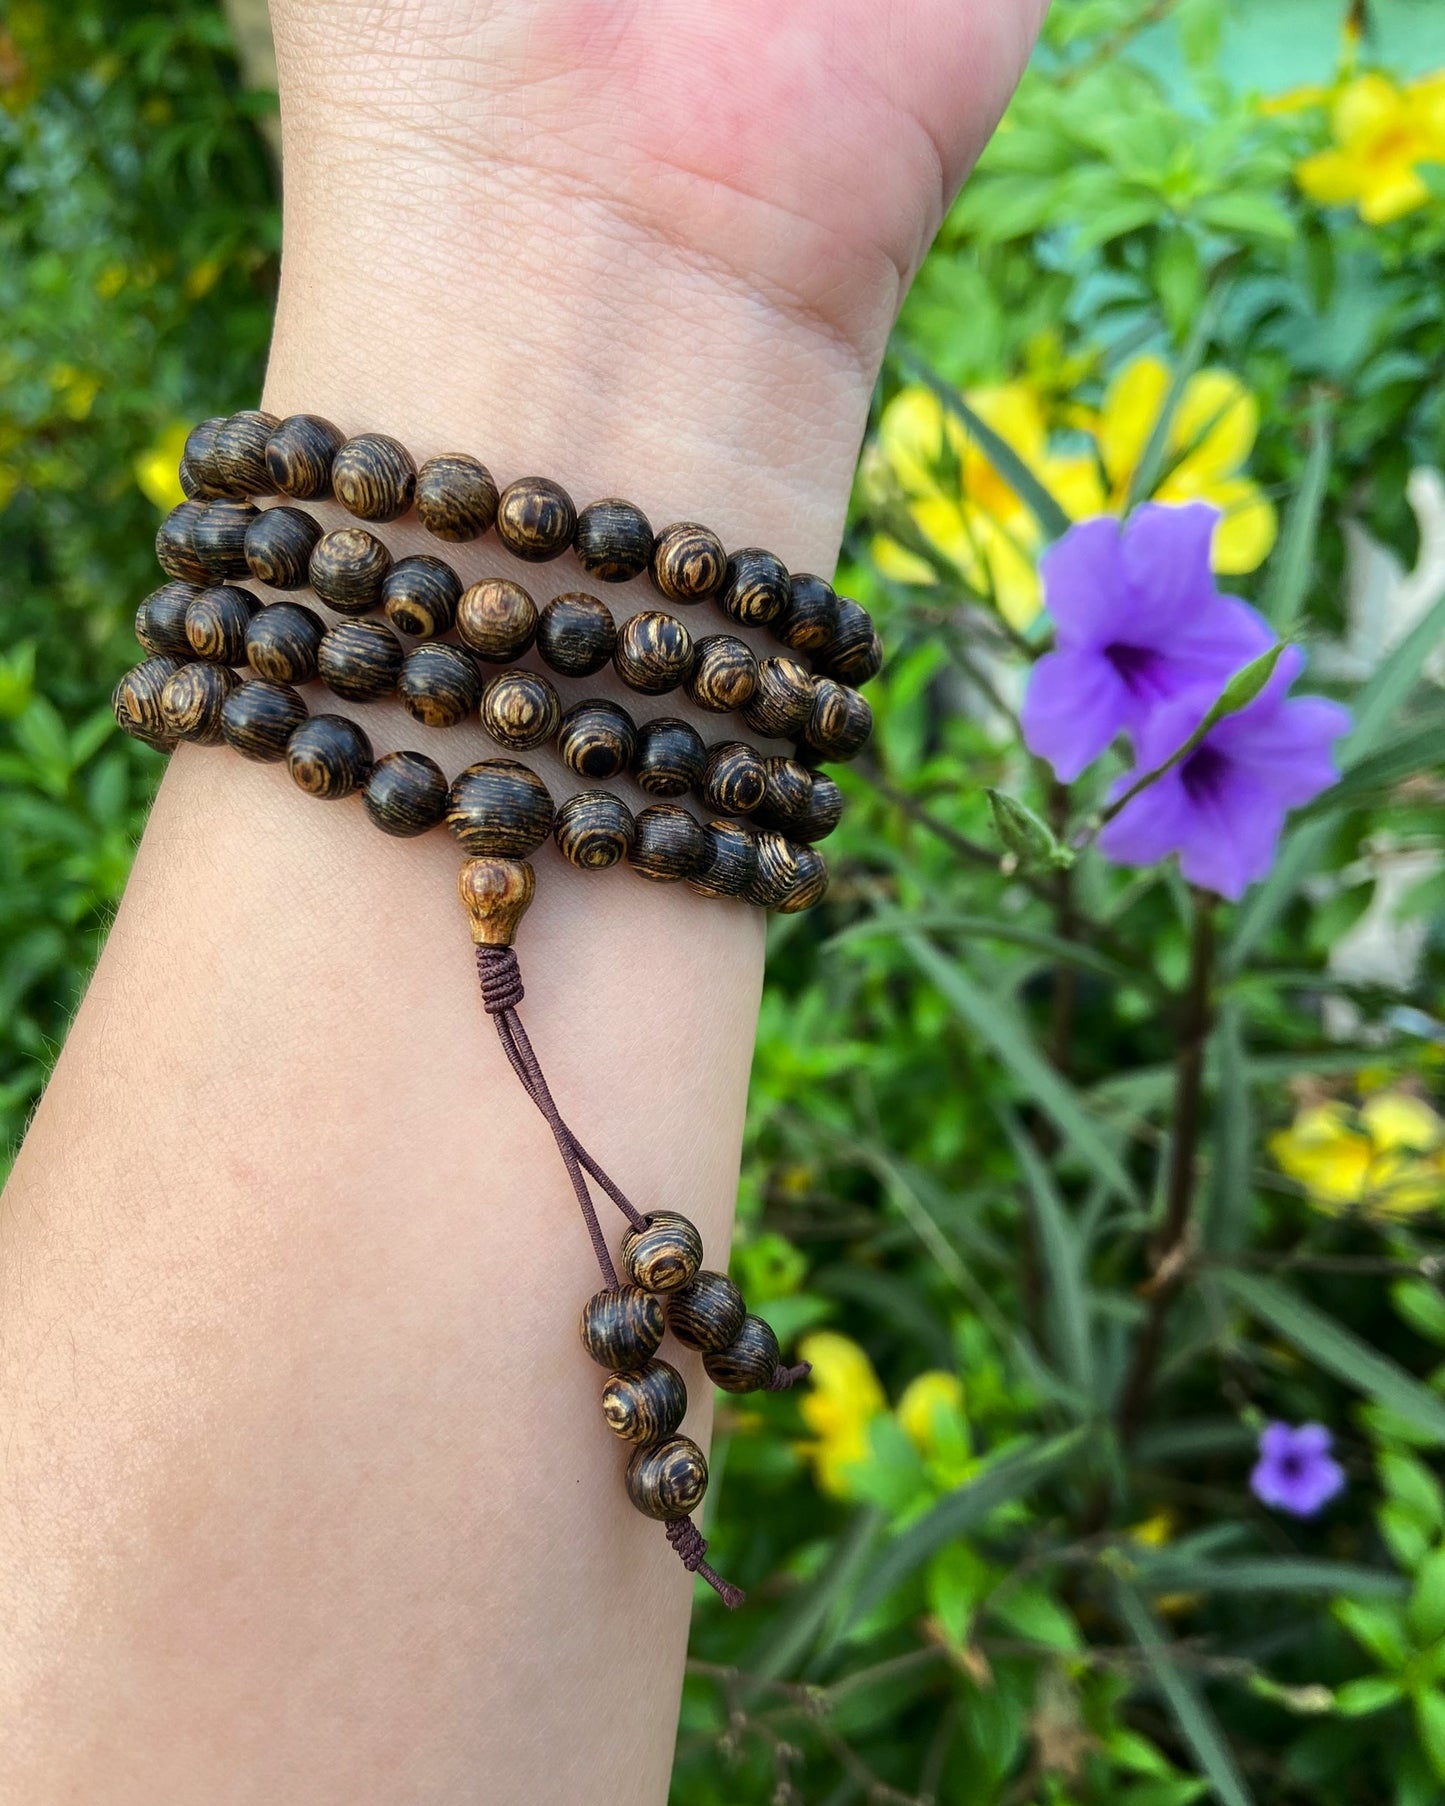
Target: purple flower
{"type": "Point", "coordinates": [1295, 1471]}
{"type": "Point", "coordinates": [1222, 808]}
{"type": "Point", "coordinates": [1138, 621]}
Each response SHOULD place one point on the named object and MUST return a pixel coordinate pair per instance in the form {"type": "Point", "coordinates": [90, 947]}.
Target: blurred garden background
{"type": "Point", "coordinates": [1076, 1182]}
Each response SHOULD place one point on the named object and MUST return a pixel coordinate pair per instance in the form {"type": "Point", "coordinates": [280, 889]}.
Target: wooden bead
{"type": "Point", "coordinates": [613, 540]}
{"type": "Point", "coordinates": [198, 472]}
{"type": "Point", "coordinates": [498, 619]}
{"type": "Point", "coordinates": [724, 673]}
{"type": "Point", "coordinates": [359, 660]}
{"type": "Point", "coordinates": [496, 894]}
{"type": "Point", "coordinates": [840, 722]}
{"type": "Point", "coordinates": [282, 642]}
{"type": "Point", "coordinates": [809, 620]}
{"type": "Point", "coordinates": [535, 519]}
{"type": "Point", "coordinates": [653, 653]}
{"type": "Point", "coordinates": [756, 587]}
{"type": "Point", "coordinates": [823, 813]}
{"type": "Point", "coordinates": [160, 621]}
{"type": "Point", "coordinates": [669, 757]}
{"type": "Point", "coordinates": [576, 634]}
{"type": "Point", "coordinates": [419, 596]}
{"type": "Point", "coordinates": [258, 719]}
{"type": "Point", "coordinates": [191, 702]}
{"type": "Point", "coordinates": [219, 538]}
{"type": "Point", "coordinates": [216, 624]}
{"type": "Point", "coordinates": [646, 1406]}
{"type": "Point", "coordinates": [175, 545]}
{"type": "Point", "coordinates": [456, 497]}
{"type": "Point", "coordinates": [748, 1362]}
{"type": "Point", "coordinates": [787, 792]}
{"type": "Point", "coordinates": [237, 462]}
{"type": "Point", "coordinates": [777, 869]}
{"type": "Point", "coordinates": [688, 562]}
{"type": "Point", "coordinates": [299, 454]}
{"type": "Point", "coordinates": [499, 807]}
{"type": "Point", "coordinates": [809, 886]}
{"type": "Point", "coordinates": [373, 477]}
{"type": "Point", "coordinates": [193, 487]}
{"type": "Point", "coordinates": [622, 1327]}
{"type": "Point", "coordinates": [667, 1480]}
{"type": "Point", "coordinates": [667, 844]}
{"type": "Point", "coordinates": [853, 653]}
{"type": "Point", "coordinates": [593, 830]}
{"type": "Point", "coordinates": [439, 684]}
{"type": "Point", "coordinates": [520, 709]}
{"type": "Point", "coordinates": [136, 702]}
{"type": "Point", "coordinates": [707, 1312]}
{"type": "Point", "coordinates": [278, 547]}
{"type": "Point", "coordinates": [348, 567]}
{"type": "Point", "coordinates": [597, 738]}
{"type": "Point", "coordinates": [406, 794]}
{"type": "Point", "coordinates": [735, 778]}
{"type": "Point", "coordinates": [663, 1256]}
{"type": "Point", "coordinates": [328, 757]}
{"type": "Point", "coordinates": [783, 699]}
{"type": "Point", "coordinates": [731, 861]}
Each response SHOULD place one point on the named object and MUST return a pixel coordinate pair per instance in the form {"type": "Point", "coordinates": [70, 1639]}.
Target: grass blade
{"type": "Point", "coordinates": [1231, 1194]}
{"type": "Point", "coordinates": [1293, 563]}
{"type": "Point", "coordinates": [1063, 1262]}
{"type": "Point", "coordinates": [1272, 1574]}
{"type": "Point", "coordinates": [991, 928]}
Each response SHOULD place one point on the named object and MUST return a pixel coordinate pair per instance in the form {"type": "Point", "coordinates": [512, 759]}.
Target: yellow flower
{"type": "Point", "coordinates": [1387, 1157]}
{"type": "Point", "coordinates": [1383, 133]}
{"type": "Point", "coordinates": [75, 389]}
{"type": "Point", "coordinates": [930, 1414]}
{"type": "Point", "coordinates": [155, 470]}
{"type": "Point", "coordinates": [842, 1398]}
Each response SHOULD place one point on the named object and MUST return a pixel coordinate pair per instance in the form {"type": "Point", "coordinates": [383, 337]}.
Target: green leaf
{"type": "Point", "coordinates": [1370, 1693]}
{"type": "Point", "coordinates": [1252, 215]}
{"type": "Point", "coordinates": [1430, 1721]}
{"type": "Point", "coordinates": [1411, 1484]}
{"type": "Point", "coordinates": [802, 1625]}
{"type": "Point", "coordinates": [1167, 1573]}
{"type": "Point", "coordinates": [1062, 1259]}
{"type": "Point", "coordinates": [1422, 1306]}
{"type": "Point", "coordinates": [1150, 468]}
{"type": "Point", "coordinates": [1417, 749]}
{"type": "Point", "coordinates": [1231, 1188]}
{"type": "Point", "coordinates": [989, 928]}
{"type": "Point", "coordinates": [1376, 1628]}
{"type": "Point", "coordinates": [1405, 1537]}
{"type": "Point", "coordinates": [1425, 1613]}
{"type": "Point", "coordinates": [1032, 1612]}
{"type": "Point", "coordinates": [1292, 566]}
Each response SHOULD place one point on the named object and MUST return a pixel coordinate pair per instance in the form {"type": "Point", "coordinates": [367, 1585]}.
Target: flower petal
{"type": "Point", "coordinates": [1086, 585]}
{"type": "Point", "coordinates": [1132, 404]}
{"type": "Point", "coordinates": [1232, 835]}
{"type": "Point", "coordinates": [1165, 555]}
{"type": "Point", "coordinates": [1075, 706]}
{"type": "Point", "coordinates": [1287, 746]}
{"type": "Point", "coordinates": [1152, 827]}
{"type": "Point", "coordinates": [1213, 430]}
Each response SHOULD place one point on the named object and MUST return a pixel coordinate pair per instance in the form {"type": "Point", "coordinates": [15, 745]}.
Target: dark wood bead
{"type": "Point", "coordinates": [840, 722]}
{"type": "Point", "coordinates": [707, 1312]}
{"type": "Point", "coordinates": [278, 547]}
{"type": "Point", "coordinates": [777, 869]}
{"type": "Point", "coordinates": [622, 1327]}
{"type": "Point", "coordinates": [646, 1406]}
{"type": "Point", "coordinates": [299, 454]}
{"type": "Point", "coordinates": [193, 488]}
{"type": "Point", "coordinates": [688, 562]}
{"type": "Point", "coordinates": [614, 540]}
{"type": "Point", "coordinates": [853, 653]}
{"type": "Point", "coordinates": [258, 718]}
{"type": "Point", "coordinates": [520, 709]}
{"type": "Point", "coordinates": [499, 807]}
{"type": "Point", "coordinates": [348, 568]}
{"type": "Point", "coordinates": [724, 673]}
{"type": "Point", "coordinates": [663, 1256]}
{"type": "Point", "coordinates": [535, 519]}
{"type": "Point", "coordinates": [576, 634]}
{"type": "Point", "coordinates": [237, 463]}
{"type": "Point", "coordinates": [456, 497]}
{"type": "Point", "coordinates": [175, 543]}
{"type": "Point", "coordinates": [406, 794]}
{"type": "Point", "coordinates": [199, 476]}
{"type": "Point", "coordinates": [160, 621]}
{"type": "Point", "coordinates": [667, 1480]}
{"type": "Point", "coordinates": [282, 642]}
{"type": "Point", "coordinates": [597, 738]}
{"type": "Point", "coordinates": [809, 621]}
{"type": "Point", "coordinates": [594, 830]}
{"type": "Point", "coordinates": [439, 684]}
{"type": "Point", "coordinates": [732, 861]}
{"type": "Point", "coordinates": [329, 756]}
{"type": "Point", "coordinates": [373, 477]}
{"type": "Point", "coordinates": [419, 596]}
{"type": "Point", "coordinates": [191, 702]}
{"type": "Point", "coordinates": [669, 757]}
{"type": "Point", "coordinates": [136, 701]}
{"type": "Point", "coordinates": [735, 778]}
{"type": "Point", "coordinates": [787, 791]}
{"type": "Point", "coordinates": [359, 660]}
{"type": "Point", "coordinates": [216, 624]}
{"type": "Point", "coordinates": [219, 538]}
{"type": "Point", "coordinates": [653, 653]}
{"type": "Point", "coordinates": [824, 810]}
{"type": "Point", "coordinates": [809, 886]}
{"type": "Point", "coordinates": [783, 700]}
{"type": "Point", "coordinates": [497, 619]}
{"type": "Point", "coordinates": [748, 1362]}
{"type": "Point", "coordinates": [668, 844]}
{"type": "Point", "coordinates": [756, 589]}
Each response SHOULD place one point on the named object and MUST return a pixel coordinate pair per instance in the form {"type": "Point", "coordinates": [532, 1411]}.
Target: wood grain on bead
{"type": "Point", "coordinates": [840, 722]}
{"type": "Point", "coordinates": [282, 642]}
{"type": "Point", "coordinates": [520, 709]}
{"type": "Point", "coordinates": [669, 757]}
{"type": "Point", "coordinates": [664, 1254]}
{"type": "Point", "coordinates": [653, 653]}
{"type": "Point", "coordinates": [593, 830]}
{"type": "Point", "coordinates": [755, 589]}
{"type": "Point", "coordinates": [200, 477]}
{"type": "Point", "coordinates": [373, 477]}
{"type": "Point", "coordinates": [348, 568]}
{"type": "Point", "coordinates": [853, 652]}
{"type": "Point", "coordinates": [613, 540]}
{"type": "Point", "coordinates": [136, 701]}
{"type": "Point", "coordinates": [730, 863]}
{"type": "Point", "coordinates": [217, 621]}
{"type": "Point", "coordinates": [175, 544]}
{"type": "Point", "coordinates": [359, 660]}
{"type": "Point", "coordinates": [191, 702]}
{"type": "Point", "coordinates": [160, 621]}
{"type": "Point", "coordinates": [498, 619]}
{"type": "Point", "coordinates": [621, 1327]}
{"type": "Point", "coordinates": [646, 1406]}
{"type": "Point", "coordinates": [499, 807]}
{"type": "Point", "coordinates": [667, 1480]}
{"type": "Point", "coordinates": [219, 538]}
{"type": "Point", "coordinates": [278, 547]}
{"type": "Point", "coordinates": [667, 844]}
{"type": "Point", "coordinates": [597, 738]}
{"type": "Point", "coordinates": [535, 519]}
{"type": "Point", "coordinates": [688, 562]}
{"type": "Point", "coordinates": [456, 497]}
{"type": "Point", "coordinates": [724, 673]}
{"type": "Point", "coordinates": [419, 596]}
{"type": "Point", "coordinates": [777, 869]}
{"type": "Point", "coordinates": [809, 619]}
{"type": "Point", "coordinates": [735, 778]}
{"type": "Point", "coordinates": [299, 453]}
{"type": "Point", "coordinates": [783, 699]}
{"type": "Point", "coordinates": [823, 812]}
{"type": "Point", "coordinates": [787, 792]}
{"type": "Point", "coordinates": [258, 719]}
{"type": "Point", "coordinates": [707, 1312]}
{"type": "Point", "coordinates": [810, 884]}
{"type": "Point", "coordinates": [237, 463]}
{"type": "Point", "coordinates": [576, 634]}
{"type": "Point", "coordinates": [749, 1360]}
{"type": "Point", "coordinates": [406, 794]}
{"type": "Point", "coordinates": [329, 757]}
{"type": "Point", "coordinates": [496, 894]}
{"type": "Point", "coordinates": [439, 684]}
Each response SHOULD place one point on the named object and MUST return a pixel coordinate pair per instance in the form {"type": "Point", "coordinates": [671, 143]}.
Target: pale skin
{"type": "Point", "coordinates": [305, 1493]}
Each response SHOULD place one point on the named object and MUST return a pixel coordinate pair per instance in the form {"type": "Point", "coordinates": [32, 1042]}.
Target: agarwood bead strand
{"type": "Point", "coordinates": [160, 621]}
{"type": "Point", "coordinates": [597, 739]}
{"type": "Point", "coordinates": [419, 596]}
{"type": "Point", "coordinates": [192, 699]}
{"type": "Point", "coordinates": [439, 684]}
{"type": "Point", "coordinates": [299, 454]}
{"type": "Point", "coordinates": [348, 568]}
{"type": "Point", "coordinates": [669, 757]}
{"type": "Point", "coordinates": [594, 830]}
{"type": "Point", "coordinates": [359, 660]}
{"type": "Point", "coordinates": [536, 519]}
{"type": "Point", "coordinates": [373, 477]}
{"type": "Point", "coordinates": [219, 538]}
{"type": "Point", "coordinates": [278, 545]}
{"type": "Point", "coordinates": [456, 497]}
{"type": "Point", "coordinates": [259, 717]}
{"type": "Point", "coordinates": [406, 794]}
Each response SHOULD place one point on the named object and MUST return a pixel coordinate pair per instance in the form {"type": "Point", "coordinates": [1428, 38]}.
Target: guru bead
{"type": "Point", "coordinates": [667, 1479]}
{"type": "Point", "coordinates": [360, 660]}
{"type": "Point", "coordinates": [688, 562]}
{"type": "Point", "coordinates": [854, 653]}
{"type": "Point", "coordinates": [756, 587]}
{"type": "Point", "coordinates": [456, 497]}
{"type": "Point", "coordinates": [299, 453]}
{"type": "Point", "coordinates": [258, 719]}
{"type": "Point", "coordinates": [175, 546]}
{"type": "Point", "coordinates": [707, 1312]}
{"type": "Point", "coordinates": [783, 699]}
{"type": "Point", "coordinates": [735, 778]}
{"type": "Point", "coordinates": [237, 462]}
{"type": "Point", "coordinates": [667, 844]}
{"type": "Point", "coordinates": [373, 477]}
{"type": "Point", "coordinates": [439, 684]}
{"type": "Point", "coordinates": [613, 540]}
{"type": "Point", "coordinates": [731, 861]}
{"type": "Point", "coordinates": [520, 709]}
{"type": "Point", "coordinates": [348, 568]}
{"type": "Point", "coordinates": [748, 1362]}
{"type": "Point", "coordinates": [646, 1406]}
{"type": "Point", "coordinates": [282, 642]}
{"type": "Point", "coordinates": [498, 619]}
{"type": "Point", "coordinates": [499, 807]}
{"type": "Point", "coordinates": [278, 547]}
{"type": "Point", "coordinates": [823, 812]}
{"type": "Point", "coordinates": [840, 722]}
{"type": "Point", "coordinates": [597, 738]}
{"type": "Point", "coordinates": [593, 830]}
{"type": "Point", "coordinates": [724, 673]}
{"type": "Point", "coordinates": [535, 519]}
{"type": "Point", "coordinates": [576, 634]}
{"type": "Point", "coordinates": [664, 1254]}
{"type": "Point", "coordinates": [669, 757]}
{"type": "Point", "coordinates": [219, 538]}
{"type": "Point", "coordinates": [622, 1327]}
{"type": "Point", "coordinates": [191, 702]}
{"type": "Point", "coordinates": [809, 619]}
{"type": "Point", "coordinates": [809, 884]}
{"type": "Point", "coordinates": [419, 596]}
{"type": "Point", "coordinates": [406, 794]}
{"type": "Point", "coordinates": [216, 624]}
{"type": "Point", "coordinates": [136, 702]}
{"type": "Point", "coordinates": [653, 653]}
{"type": "Point", "coordinates": [777, 869]}
{"type": "Point", "coordinates": [160, 621]}
{"type": "Point", "coordinates": [328, 757]}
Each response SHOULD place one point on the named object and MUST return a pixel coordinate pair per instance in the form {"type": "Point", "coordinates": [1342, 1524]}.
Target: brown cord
{"type": "Point", "coordinates": [783, 1377]}
{"type": "Point", "coordinates": [691, 1545]}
